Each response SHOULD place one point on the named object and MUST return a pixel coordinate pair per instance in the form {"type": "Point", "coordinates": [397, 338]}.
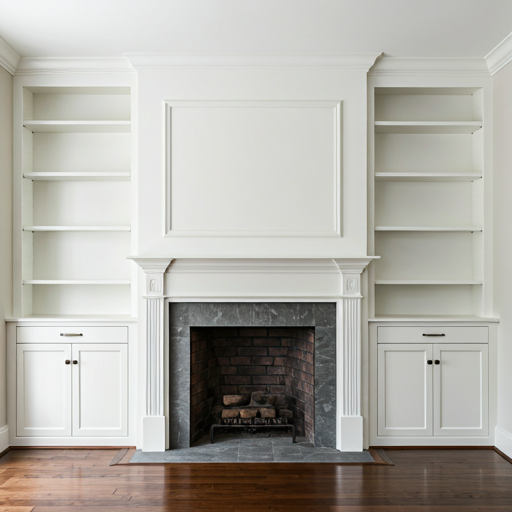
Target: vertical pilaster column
{"type": "Point", "coordinates": [153, 423]}
{"type": "Point", "coordinates": [349, 421]}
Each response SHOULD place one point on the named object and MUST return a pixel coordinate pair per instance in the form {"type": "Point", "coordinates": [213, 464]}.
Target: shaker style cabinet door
{"type": "Point", "coordinates": [461, 389]}
{"type": "Point", "coordinates": [43, 392]}
{"type": "Point", "coordinates": [404, 390]}
{"type": "Point", "coordinates": [100, 390]}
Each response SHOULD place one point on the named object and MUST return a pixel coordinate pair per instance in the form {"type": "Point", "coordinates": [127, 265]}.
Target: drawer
{"type": "Point", "coordinates": [72, 334]}
{"type": "Point", "coordinates": [433, 334]}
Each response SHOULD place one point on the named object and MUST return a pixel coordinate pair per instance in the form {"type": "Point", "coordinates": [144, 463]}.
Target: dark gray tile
{"type": "Point", "coordinates": [325, 314]}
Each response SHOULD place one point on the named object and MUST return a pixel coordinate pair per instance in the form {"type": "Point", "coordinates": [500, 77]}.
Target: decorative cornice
{"type": "Point", "coordinates": [9, 57]}
{"type": "Point", "coordinates": [40, 65]}
{"type": "Point", "coordinates": [429, 66]}
{"type": "Point", "coordinates": [354, 265]}
{"type": "Point", "coordinates": [165, 60]}
{"type": "Point", "coordinates": [152, 265]}
{"type": "Point", "coordinates": [500, 56]}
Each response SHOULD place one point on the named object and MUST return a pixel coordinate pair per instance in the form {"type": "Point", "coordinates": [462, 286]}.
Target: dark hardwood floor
{"type": "Point", "coordinates": [420, 480]}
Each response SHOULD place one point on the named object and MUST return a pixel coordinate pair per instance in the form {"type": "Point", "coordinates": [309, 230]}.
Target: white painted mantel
{"type": "Point", "coordinates": [262, 280]}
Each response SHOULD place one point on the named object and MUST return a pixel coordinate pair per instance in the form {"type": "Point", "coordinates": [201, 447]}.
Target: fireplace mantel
{"type": "Point", "coordinates": [336, 280]}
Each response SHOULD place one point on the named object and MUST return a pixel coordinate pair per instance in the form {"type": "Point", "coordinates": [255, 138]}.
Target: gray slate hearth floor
{"type": "Point", "coordinates": [253, 449]}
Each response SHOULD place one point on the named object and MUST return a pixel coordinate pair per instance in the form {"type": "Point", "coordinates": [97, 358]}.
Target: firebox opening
{"type": "Point", "coordinates": [276, 361]}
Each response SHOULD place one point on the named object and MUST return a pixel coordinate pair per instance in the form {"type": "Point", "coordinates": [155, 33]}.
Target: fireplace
{"type": "Point", "coordinates": [180, 295]}
{"type": "Point", "coordinates": [231, 366]}
{"type": "Point", "coordinates": [284, 349]}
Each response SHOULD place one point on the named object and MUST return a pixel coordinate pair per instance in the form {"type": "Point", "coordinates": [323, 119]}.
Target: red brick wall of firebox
{"type": "Point", "coordinates": [242, 360]}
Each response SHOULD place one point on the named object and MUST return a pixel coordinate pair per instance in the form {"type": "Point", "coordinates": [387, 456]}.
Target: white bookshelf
{"type": "Point", "coordinates": [428, 202]}
{"type": "Point", "coordinates": [75, 201]}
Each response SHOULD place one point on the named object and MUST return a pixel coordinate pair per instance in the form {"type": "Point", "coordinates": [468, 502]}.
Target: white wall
{"type": "Point", "coordinates": [5, 235]}
{"type": "Point", "coordinates": [502, 89]}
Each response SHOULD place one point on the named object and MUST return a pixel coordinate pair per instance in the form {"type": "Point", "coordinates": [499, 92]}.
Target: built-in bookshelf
{"type": "Point", "coordinates": [428, 146]}
{"type": "Point", "coordinates": [75, 201]}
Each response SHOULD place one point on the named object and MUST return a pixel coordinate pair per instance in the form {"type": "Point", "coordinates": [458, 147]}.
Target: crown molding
{"type": "Point", "coordinates": [164, 60]}
{"type": "Point", "coordinates": [500, 56]}
{"type": "Point", "coordinates": [43, 65]}
{"type": "Point", "coordinates": [429, 66]}
{"type": "Point", "coordinates": [9, 57]}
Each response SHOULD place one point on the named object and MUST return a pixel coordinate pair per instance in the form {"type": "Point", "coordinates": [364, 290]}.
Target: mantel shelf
{"type": "Point", "coordinates": [77, 228]}
{"type": "Point", "coordinates": [78, 176]}
{"type": "Point", "coordinates": [428, 127]}
{"type": "Point", "coordinates": [430, 282]}
{"type": "Point", "coordinates": [427, 176]}
{"type": "Point", "coordinates": [470, 229]}
{"type": "Point", "coordinates": [37, 126]}
{"type": "Point", "coordinates": [78, 281]}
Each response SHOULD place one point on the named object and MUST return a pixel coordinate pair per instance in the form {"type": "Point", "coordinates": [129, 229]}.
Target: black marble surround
{"type": "Point", "coordinates": [184, 315]}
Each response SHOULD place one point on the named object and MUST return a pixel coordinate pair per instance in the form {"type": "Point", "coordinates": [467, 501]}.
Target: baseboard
{"type": "Point", "coordinates": [503, 441]}
{"type": "Point", "coordinates": [4, 438]}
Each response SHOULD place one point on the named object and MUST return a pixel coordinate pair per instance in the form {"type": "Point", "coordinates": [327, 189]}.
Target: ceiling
{"type": "Point", "coordinates": [408, 28]}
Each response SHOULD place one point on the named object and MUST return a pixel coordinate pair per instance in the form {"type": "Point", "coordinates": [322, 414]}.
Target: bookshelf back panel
{"type": "Point", "coordinates": [433, 256]}
{"type": "Point", "coordinates": [423, 153]}
{"type": "Point", "coordinates": [424, 300]}
{"type": "Point", "coordinates": [81, 203]}
{"type": "Point", "coordinates": [448, 204]}
{"type": "Point", "coordinates": [80, 299]}
{"type": "Point", "coordinates": [428, 107]}
{"type": "Point", "coordinates": [81, 152]}
{"type": "Point", "coordinates": [76, 255]}
{"type": "Point", "coordinates": [82, 107]}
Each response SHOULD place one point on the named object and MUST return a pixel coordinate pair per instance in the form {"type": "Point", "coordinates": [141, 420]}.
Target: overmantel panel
{"type": "Point", "coordinates": [340, 229]}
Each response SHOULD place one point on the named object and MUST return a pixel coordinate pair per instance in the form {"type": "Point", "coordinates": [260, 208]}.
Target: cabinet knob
{"type": "Point", "coordinates": [67, 361]}
{"type": "Point", "coordinates": [76, 362]}
{"type": "Point", "coordinates": [429, 361]}
{"type": "Point", "coordinates": [437, 361]}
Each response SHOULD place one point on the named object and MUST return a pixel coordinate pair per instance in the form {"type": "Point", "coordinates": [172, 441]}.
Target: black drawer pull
{"type": "Point", "coordinates": [434, 334]}
{"type": "Point", "coordinates": [70, 334]}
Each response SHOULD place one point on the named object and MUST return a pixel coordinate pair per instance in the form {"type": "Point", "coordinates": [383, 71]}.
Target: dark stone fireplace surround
{"type": "Point", "coordinates": [183, 317]}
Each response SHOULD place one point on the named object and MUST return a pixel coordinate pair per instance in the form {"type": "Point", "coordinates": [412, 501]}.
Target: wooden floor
{"type": "Point", "coordinates": [421, 480]}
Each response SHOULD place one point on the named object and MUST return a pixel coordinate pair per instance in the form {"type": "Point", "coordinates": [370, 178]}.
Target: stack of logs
{"type": "Point", "coordinates": [254, 409]}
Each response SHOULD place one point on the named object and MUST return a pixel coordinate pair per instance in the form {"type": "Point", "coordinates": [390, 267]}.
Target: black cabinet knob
{"type": "Point", "coordinates": [437, 361]}
{"type": "Point", "coordinates": [67, 361]}
{"type": "Point", "coordinates": [76, 362]}
{"type": "Point", "coordinates": [429, 361]}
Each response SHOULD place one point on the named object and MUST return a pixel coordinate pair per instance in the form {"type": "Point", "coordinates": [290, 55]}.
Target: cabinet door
{"type": "Point", "coordinates": [461, 389]}
{"type": "Point", "coordinates": [100, 390]}
{"type": "Point", "coordinates": [43, 394]}
{"type": "Point", "coordinates": [405, 390]}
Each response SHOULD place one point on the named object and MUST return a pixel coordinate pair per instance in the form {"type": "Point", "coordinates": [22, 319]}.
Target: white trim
{"type": "Point", "coordinates": [429, 66]}
{"type": "Point", "coordinates": [9, 57]}
{"type": "Point", "coordinates": [40, 65]}
{"type": "Point", "coordinates": [362, 61]}
{"type": "Point", "coordinates": [336, 106]}
{"type": "Point", "coordinates": [4, 438]}
{"type": "Point", "coordinates": [503, 441]}
{"type": "Point", "coordinates": [500, 56]}
{"type": "Point", "coordinates": [285, 266]}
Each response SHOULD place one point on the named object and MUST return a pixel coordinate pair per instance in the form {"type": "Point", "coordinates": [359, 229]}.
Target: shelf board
{"type": "Point", "coordinates": [127, 318]}
{"type": "Point", "coordinates": [426, 127]}
{"type": "Point", "coordinates": [77, 281]}
{"type": "Point", "coordinates": [427, 176]}
{"type": "Point", "coordinates": [470, 229]}
{"type": "Point", "coordinates": [38, 126]}
{"type": "Point", "coordinates": [429, 282]}
{"type": "Point", "coordinates": [432, 318]}
{"type": "Point", "coordinates": [76, 228]}
{"type": "Point", "coordinates": [78, 176]}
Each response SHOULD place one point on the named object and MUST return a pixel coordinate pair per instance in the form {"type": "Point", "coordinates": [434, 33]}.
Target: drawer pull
{"type": "Point", "coordinates": [80, 334]}
{"type": "Point", "coordinates": [67, 361]}
{"type": "Point", "coordinates": [424, 334]}
{"type": "Point", "coordinates": [429, 361]}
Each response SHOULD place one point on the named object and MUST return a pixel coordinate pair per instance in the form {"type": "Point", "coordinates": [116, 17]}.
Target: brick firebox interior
{"type": "Point", "coordinates": [240, 360]}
